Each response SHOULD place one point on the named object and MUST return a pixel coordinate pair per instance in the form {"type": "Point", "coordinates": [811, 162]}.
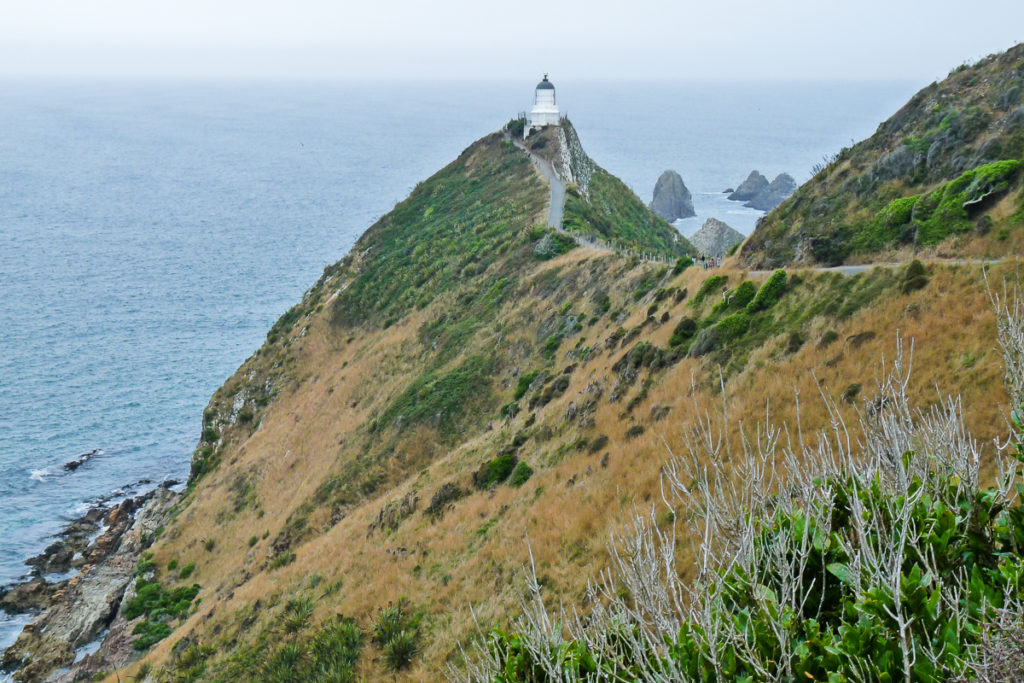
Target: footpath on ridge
{"type": "Point", "coordinates": [556, 204]}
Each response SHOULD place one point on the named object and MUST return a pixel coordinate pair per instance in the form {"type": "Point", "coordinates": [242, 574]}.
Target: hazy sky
{"type": "Point", "coordinates": [654, 39]}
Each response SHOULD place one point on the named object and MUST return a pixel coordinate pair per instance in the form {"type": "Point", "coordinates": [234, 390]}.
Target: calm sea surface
{"type": "Point", "coordinates": [150, 234]}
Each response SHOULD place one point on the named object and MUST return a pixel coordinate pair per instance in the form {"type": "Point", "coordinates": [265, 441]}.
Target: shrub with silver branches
{"type": "Point", "coordinates": [852, 554]}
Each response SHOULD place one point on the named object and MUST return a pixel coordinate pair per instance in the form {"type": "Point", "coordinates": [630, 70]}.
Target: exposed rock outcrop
{"type": "Point", "coordinates": [749, 188]}
{"type": "Point", "coordinates": [715, 238]}
{"type": "Point", "coordinates": [671, 198]}
{"type": "Point", "coordinates": [87, 604]}
{"type": "Point", "coordinates": [773, 195]}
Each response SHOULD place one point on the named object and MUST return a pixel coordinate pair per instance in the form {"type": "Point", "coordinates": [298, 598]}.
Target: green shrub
{"type": "Point", "coordinates": [711, 285]}
{"type": "Point", "coordinates": [742, 295]}
{"type": "Point", "coordinates": [551, 345]}
{"type": "Point", "coordinates": [495, 471]}
{"type": "Point", "coordinates": [681, 265]}
{"type": "Point", "coordinates": [847, 621]}
{"type": "Point", "coordinates": [733, 327]}
{"type": "Point", "coordinates": [523, 385]}
{"type": "Point", "coordinates": [634, 431]}
{"type": "Point", "coordinates": [945, 211]}
{"type": "Point", "coordinates": [683, 332]}
{"type": "Point", "coordinates": [172, 565]}
{"type": "Point", "coordinates": [297, 612]}
{"type": "Point", "coordinates": [769, 292]}
{"type": "Point", "coordinates": [156, 605]}
{"type": "Point", "coordinates": [914, 277]}
{"type": "Point", "coordinates": [597, 444]}
{"type": "Point", "coordinates": [400, 651]}
{"type": "Point", "coordinates": [187, 570]}
{"type": "Point", "coordinates": [516, 126]}
{"type": "Point", "coordinates": [520, 474]}
{"type": "Point", "coordinates": [149, 633]}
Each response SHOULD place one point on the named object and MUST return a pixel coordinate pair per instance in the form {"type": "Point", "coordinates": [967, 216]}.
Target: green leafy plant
{"type": "Point", "coordinates": [521, 474]}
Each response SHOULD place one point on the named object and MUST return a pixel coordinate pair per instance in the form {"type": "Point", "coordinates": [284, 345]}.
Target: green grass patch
{"type": "Point", "coordinates": [445, 398]}
{"type": "Point", "coordinates": [612, 213]}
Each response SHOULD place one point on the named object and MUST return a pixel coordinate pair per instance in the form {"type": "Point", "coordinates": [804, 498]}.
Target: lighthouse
{"type": "Point", "coordinates": [545, 111]}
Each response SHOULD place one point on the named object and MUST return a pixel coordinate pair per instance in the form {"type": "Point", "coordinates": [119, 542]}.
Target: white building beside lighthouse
{"type": "Point", "coordinates": [545, 111]}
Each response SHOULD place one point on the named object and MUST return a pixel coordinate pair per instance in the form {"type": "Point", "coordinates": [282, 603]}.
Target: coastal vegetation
{"type": "Point", "coordinates": [941, 176]}
{"type": "Point", "coordinates": [469, 393]}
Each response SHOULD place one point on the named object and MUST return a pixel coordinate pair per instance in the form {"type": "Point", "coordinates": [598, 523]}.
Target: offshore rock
{"type": "Point", "coordinates": [774, 194]}
{"type": "Point", "coordinates": [671, 198]}
{"type": "Point", "coordinates": [750, 188]}
{"type": "Point", "coordinates": [715, 238]}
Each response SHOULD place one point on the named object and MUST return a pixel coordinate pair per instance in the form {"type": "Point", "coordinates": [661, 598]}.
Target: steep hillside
{"type": "Point", "coordinates": [466, 393]}
{"type": "Point", "coordinates": [599, 207]}
{"type": "Point", "coordinates": [941, 177]}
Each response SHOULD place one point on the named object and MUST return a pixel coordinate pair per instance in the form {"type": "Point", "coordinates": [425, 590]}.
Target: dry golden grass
{"type": "Point", "coordinates": [473, 555]}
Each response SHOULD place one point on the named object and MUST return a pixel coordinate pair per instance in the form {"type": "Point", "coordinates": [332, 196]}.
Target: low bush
{"type": "Point", "coordinates": [769, 292]}
{"type": "Point", "coordinates": [742, 295]}
{"type": "Point", "coordinates": [521, 474]}
{"type": "Point", "coordinates": [681, 265]}
{"type": "Point", "coordinates": [711, 285]}
{"type": "Point", "coordinates": [495, 471]}
{"type": "Point", "coordinates": [683, 332]}
{"type": "Point", "coordinates": [523, 385]}
{"type": "Point", "coordinates": [157, 605]}
{"type": "Point", "coordinates": [914, 277]}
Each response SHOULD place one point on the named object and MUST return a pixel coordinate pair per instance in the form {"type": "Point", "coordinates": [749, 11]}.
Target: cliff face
{"type": "Point", "coordinates": [449, 391]}
{"type": "Point", "coordinates": [956, 146]}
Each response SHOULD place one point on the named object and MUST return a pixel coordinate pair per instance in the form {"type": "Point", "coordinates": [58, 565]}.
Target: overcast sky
{"type": "Point", "coordinates": [676, 39]}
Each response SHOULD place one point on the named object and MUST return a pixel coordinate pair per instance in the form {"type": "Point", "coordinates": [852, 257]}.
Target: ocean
{"type": "Point", "coordinates": [152, 232]}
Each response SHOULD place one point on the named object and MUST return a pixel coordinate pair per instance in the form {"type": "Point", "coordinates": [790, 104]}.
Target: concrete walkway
{"type": "Point", "coordinates": [556, 205]}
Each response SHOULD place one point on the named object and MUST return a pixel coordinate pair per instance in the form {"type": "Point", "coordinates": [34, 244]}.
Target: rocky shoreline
{"type": "Point", "coordinates": [76, 589]}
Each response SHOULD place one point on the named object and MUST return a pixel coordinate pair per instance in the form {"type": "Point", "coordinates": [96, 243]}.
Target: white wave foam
{"type": "Point", "coordinates": [40, 475]}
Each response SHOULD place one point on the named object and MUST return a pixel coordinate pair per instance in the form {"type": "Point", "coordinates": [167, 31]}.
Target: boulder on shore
{"type": "Point", "coordinates": [671, 198]}
{"type": "Point", "coordinates": [749, 188]}
{"type": "Point", "coordinates": [716, 238]}
{"type": "Point", "coordinates": [774, 194]}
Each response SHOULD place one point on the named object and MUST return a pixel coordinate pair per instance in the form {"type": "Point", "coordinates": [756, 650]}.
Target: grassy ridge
{"type": "Point", "coordinates": [943, 145]}
{"type": "Point", "coordinates": [453, 227]}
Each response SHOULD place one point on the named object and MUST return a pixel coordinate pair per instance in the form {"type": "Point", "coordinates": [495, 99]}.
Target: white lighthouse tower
{"type": "Point", "coordinates": [545, 111]}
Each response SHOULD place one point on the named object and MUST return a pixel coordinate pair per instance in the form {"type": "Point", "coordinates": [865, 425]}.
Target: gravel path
{"type": "Point", "coordinates": [863, 268]}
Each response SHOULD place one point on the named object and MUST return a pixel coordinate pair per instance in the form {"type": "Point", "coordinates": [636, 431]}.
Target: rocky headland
{"type": "Point", "coordinates": [104, 545]}
{"type": "Point", "coordinates": [671, 199]}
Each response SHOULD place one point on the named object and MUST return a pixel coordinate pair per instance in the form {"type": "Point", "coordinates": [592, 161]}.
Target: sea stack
{"type": "Point", "coordinates": [671, 199]}
{"type": "Point", "coordinates": [750, 188]}
{"type": "Point", "coordinates": [715, 238]}
{"type": "Point", "coordinates": [774, 194]}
